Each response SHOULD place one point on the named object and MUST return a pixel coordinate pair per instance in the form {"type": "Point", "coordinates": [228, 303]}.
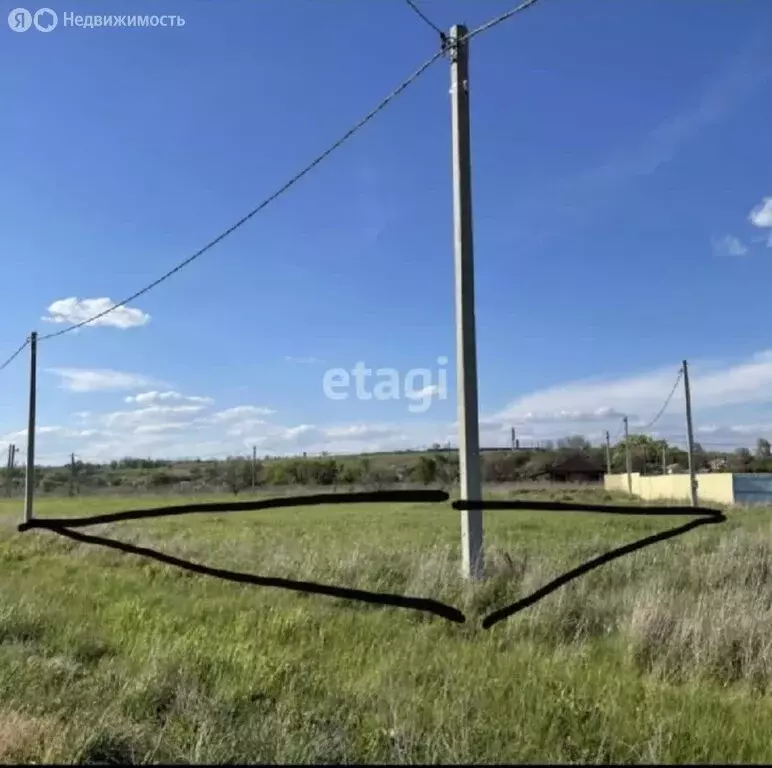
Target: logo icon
{"type": "Point", "coordinates": [20, 19]}
{"type": "Point", "coordinates": [45, 19]}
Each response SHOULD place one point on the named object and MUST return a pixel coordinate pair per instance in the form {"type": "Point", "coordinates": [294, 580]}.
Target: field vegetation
{"type": "Point", "coordinates": [662, 656]}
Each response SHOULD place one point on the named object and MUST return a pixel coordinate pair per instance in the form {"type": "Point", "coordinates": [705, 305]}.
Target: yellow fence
{"type": "Point", "coordinates": [713, 486]}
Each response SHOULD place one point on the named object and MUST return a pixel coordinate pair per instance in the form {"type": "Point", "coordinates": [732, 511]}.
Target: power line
{"type": "Point", "coordinates": [499, 19]}
{"type": "Point", "coordinates": [667, 402]}
{"type": "Point", "coordinates": [427, 20]}
{"type": "Point", "coordinates": [297, 177]}
{"type": "Point", "coordinates": [14, 355]}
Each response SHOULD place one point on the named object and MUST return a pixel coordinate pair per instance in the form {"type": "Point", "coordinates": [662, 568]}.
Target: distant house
{"type": "Point", "coordinates": [573, 469]}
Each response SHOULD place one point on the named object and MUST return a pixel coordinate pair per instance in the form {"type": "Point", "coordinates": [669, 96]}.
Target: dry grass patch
{"type": "Point", "coordinates": [24, 737]}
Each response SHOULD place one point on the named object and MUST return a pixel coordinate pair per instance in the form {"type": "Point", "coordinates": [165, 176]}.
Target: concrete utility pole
{"type": "Point", "coordinates": [690, 436]}
{"type": "Point", "coordinates": [11, 466]}
{"type": "Point", "coordinates": [72, 474]}
{"type": "Point", "coordinates": [29, 487]}
{"type": "Point", "coordinates": [466, 346]}
{"type": "Point", "coordinates": [608, 453]}
{"type": "Point", "coordinates": [628, 458]}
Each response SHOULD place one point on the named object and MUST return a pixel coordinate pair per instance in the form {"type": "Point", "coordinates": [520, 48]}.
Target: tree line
{"type": "Point", "coordinates": [437, 466]}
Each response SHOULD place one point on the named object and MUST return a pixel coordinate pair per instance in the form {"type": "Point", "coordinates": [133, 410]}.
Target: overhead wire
{"type": "Point", "coordinates": [426, 19]}
{"type": "Point", "coordinates": [267, 201]}
{"type": "Point", "coordinates": [14, 355]}
{"type": "Point", "coordinates": [298, 176]}
{"type": "Point", "coordinates": [667, 401]}
{"type": "Point", "coordinates": [498, 20]}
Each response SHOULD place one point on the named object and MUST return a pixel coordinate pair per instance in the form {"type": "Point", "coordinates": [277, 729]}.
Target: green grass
{"type": "Point", "coordinates": [663, 656]}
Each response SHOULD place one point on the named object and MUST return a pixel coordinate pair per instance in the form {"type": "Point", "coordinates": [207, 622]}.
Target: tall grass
{"type": "Point", "coordinates": [663, 656]}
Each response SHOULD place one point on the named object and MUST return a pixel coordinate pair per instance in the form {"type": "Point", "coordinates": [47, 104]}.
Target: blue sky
{"type": "Point", "coordinates": [623, 222]}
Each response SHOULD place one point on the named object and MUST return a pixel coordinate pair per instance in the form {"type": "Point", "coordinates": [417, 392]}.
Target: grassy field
{"type": "Point", "coordinates": [663, 656]}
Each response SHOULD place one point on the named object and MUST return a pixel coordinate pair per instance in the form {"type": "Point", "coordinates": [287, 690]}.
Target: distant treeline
{"type": "Point", "coordinates": [437, 466]}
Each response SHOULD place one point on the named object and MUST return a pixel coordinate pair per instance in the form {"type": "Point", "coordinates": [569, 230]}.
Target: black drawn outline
{"type": "Point", "coordinates": [706, 516]}
{"type": "Point", "coordinates": [64, 526]}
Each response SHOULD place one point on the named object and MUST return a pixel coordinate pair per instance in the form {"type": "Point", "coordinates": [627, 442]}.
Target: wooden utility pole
{"type": "Point", "coordinates": [466, 346]}
{"type": "Point", "coordinates": [254, 468]}
{"type": "Point", "coordinates": [29, 486]}
{"type": "Point", "coordinates": [628, 458]}
{"type": "Point", "coordinates": [664, 460]}
{"type": "Point", "coordinates": [608, 453]}
{"type": "Point", "coordinates": [690, 437]}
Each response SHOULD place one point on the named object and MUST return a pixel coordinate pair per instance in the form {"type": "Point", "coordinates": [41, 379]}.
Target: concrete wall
{"type": "Point", "coordinates": [716, 486]}
{"type": "Point", "coordinates": [712, 486]}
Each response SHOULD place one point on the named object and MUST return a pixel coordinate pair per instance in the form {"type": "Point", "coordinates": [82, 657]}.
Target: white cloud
{"type": "Point", "coordinates": [73, 310]}
{"type": "Point", "coordinates": [734, 430]}
{"type": "Point", "coordinates": [62, 432]}
{"type": "Point", "coordinates": [153, 414]}
{"type": "Point", "coordinates": [729, 246]}
{"type": "Point", "coordinates": [341, 439]}
{"type": "Point", "coordinates": [85, 380]}
{"type": "Point", "coordinates": [361, 431]}
{"type": "Point", "coordinates": [241, 420]}
{"type": "Point", "coordinates": [166, 426]}
{"type": "Point", "coordinates": [148, 398]}
{"type": "Point", "coordinates": [162, 431]}
{"type": "Point", "coordinates": [590, 397]}
{"type": "Point", "coordinates": [241, 412]}
{"type": "Point", "coordinates": [572, 407]}
{"type": "Point", "coordinates": [574, 417]}
{"type": "Point", "coordinates": [174, 428]}
{"type": "Point", "coordinates": [761, 215]}
{"type": "Point", "coordinates": [245, 427]}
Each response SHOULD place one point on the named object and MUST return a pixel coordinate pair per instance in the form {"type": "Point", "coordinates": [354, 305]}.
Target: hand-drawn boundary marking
{"type": "Point", "coordinates": [63, 526]}
{"type": "Point", "coordinates": [708, 517]}
{"type": "Point", "coordinates": [373, 497]}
